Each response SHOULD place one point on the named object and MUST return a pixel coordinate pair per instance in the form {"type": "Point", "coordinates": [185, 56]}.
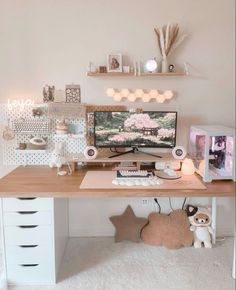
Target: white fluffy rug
{"type": "Point", "coordinates": [100, 264]}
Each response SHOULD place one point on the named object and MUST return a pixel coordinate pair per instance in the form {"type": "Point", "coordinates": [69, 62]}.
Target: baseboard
{"type": "Point", "coordinates": [91, 233]}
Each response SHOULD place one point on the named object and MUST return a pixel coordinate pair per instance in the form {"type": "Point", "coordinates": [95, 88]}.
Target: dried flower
{"type": "Point", "coordinates": [168, 39]}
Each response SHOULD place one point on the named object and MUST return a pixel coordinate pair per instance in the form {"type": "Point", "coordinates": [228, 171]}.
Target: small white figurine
{"type": "Point", "coordinates": [200, 220]}
{"type": "Point", "coordinates": [57, 157]}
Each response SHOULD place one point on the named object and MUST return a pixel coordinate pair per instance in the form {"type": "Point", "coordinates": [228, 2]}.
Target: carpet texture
{"type": "Point", "coordinates": [101, 264]}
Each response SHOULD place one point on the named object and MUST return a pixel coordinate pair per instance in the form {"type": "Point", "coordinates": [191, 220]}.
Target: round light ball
{"type": "Point", "coordinates": [117, 97]}
{"type": "Point", "coordinates": [124, 93]}
{"type": "Point", "coordinates": [151, 65]}
{"type": "Point", "coordinates": [153, 93]}
{"type": "Point", "coordinates": [139, 93]}
{"type": "Point", "coordinates": [110, 92]}
{"type": "Point", "coordinates": [131, 97]}
{"type": "Point", "coordinates": [146, 98]}
{"type": "Point", "coordinates": [160, 99]}
{"type": "Point", "coordinates": [168, 94]}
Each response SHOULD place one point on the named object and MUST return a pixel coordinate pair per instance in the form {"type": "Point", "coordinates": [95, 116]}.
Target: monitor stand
{"type": "Point", "coordinates": [134, 150]}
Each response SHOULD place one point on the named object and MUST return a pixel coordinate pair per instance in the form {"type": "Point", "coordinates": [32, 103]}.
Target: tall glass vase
{"type": "Point", "coordinates": [164, 66]}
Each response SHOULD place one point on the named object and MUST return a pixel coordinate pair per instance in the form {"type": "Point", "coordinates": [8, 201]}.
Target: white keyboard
{"type": "Point", "coordinates": [136, 178]}
{"type": "Point", "coordinates": [134, 173]}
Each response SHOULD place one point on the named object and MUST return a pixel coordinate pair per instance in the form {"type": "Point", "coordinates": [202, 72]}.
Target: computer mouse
{"type": "Point", "coordinates": [170, 172]}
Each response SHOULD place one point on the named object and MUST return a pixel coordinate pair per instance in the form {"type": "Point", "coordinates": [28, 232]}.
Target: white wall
{"type": "Point", "coordinates": [52, 41]}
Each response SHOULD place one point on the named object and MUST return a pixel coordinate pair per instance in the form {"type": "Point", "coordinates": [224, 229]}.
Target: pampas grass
{"type": "Point", "coordinates": [168, 39]}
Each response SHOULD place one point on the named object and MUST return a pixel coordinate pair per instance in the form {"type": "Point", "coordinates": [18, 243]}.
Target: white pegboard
{"type": "Point", "coordinates": [72, 146]}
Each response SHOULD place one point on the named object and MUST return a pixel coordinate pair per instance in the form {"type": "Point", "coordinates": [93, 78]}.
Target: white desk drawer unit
{"type": "Point", "coordinates": [28, 254]}
{"type": "Point", "coordinates": [27, 204]}
{"type": "Point", "coordinates": [27, 218]}
{"type": "Point", "coordinates": [27, 235]}
{"type": "Point", "coordinates": [30, 235]}
{"type": "Point", "coordinates": [29, 274]}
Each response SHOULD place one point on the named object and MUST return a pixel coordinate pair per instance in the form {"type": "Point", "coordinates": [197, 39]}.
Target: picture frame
{"type": "Point", "coordinates": [114, 62]}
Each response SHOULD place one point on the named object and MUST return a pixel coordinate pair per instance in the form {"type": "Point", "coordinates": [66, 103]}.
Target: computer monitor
{"type": "Point", "coordinates": [151, 129]}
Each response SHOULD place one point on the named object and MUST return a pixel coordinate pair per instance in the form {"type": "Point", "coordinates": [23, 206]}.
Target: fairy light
{"type": "Point", "coordinates": [168, 94]}
{"type": "Point", "coordinates": [124, 92]}
{"type": "Point", "coordinates": [117, 97]}
{"type": "Point", "coordinates": [139, 93]}
{"type": "Point", "coordinates": [160, 99]}
{"type": "Point", "coordinates": [153, 93]}
{"type": "Point", "coordinates": [110, 92]}
{"type": "Point", "coordinates": [132, 97]}
{"type": "Point", "coordinates": [146, 98]}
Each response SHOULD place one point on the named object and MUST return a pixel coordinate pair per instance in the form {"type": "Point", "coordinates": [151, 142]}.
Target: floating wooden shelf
{"type": "Point", "coordinates": [120, 74]}
{"type": "Point", "coordinates": [173, 74]}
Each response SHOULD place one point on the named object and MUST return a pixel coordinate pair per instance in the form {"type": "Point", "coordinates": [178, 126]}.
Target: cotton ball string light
{"type": "Point", "coordinates": [124, 92]}
{"type": "Point", "coordinates": [139, 93]}
{"type": "Point", "coordinates": [153, 93]}
{"type": "Point", "coordinates": [131, 97]}
{"type": "Point", "coordinates": [168, 94]}
{"type": "Point", "coordinates": [146, 98]}
{"type": "Point", "coordinates": [160, 99]}
{"type": "Point", "coordinates": [117, 97]}
{"type": "Point", "coordinates": [110, 92]}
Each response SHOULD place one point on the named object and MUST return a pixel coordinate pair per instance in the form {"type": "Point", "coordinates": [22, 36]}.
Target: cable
{"type": "Point", "coordinates": [184, 202]}
{"type": "Point", "coordinates": [156, 201]}
{"type": "Point", "coordinates": [170, 204]}
{"type": "Point", "coordinates": [112, 150]}
{"type": "Point", "coordinates": [220, 239]}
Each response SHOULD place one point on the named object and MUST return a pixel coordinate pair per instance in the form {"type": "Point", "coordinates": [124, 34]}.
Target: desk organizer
{"type": "Point", "coordinates": [24, 125]}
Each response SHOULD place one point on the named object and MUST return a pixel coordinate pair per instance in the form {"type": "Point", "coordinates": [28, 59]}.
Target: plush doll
{"type": "Point", "coordinates": [57, 158]}
{"type": "Point", "coordinates": [200, 220]}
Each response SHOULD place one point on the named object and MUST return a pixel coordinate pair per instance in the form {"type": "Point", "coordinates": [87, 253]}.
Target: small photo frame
{"type": "Point", "coordinates": [114, 62]}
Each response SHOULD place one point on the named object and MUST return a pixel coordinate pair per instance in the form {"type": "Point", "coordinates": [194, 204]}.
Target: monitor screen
{"type": "Point", "coordinates": [126, 129]}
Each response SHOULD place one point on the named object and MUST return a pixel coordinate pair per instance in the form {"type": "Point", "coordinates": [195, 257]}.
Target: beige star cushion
{"type": "Point", "coordinates": [171, 231]}
{"type": "Point", "coordinates": [128, 226]}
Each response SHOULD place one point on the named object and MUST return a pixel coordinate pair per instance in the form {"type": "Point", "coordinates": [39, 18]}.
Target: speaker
{"type": "Point", "coordinates": [179, 152]}
{"type": "Point", "coordinates": [90, 152]}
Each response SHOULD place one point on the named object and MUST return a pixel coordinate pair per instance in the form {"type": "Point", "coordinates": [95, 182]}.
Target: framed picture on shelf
{"type": "Point", "coordinates": [114, 62]}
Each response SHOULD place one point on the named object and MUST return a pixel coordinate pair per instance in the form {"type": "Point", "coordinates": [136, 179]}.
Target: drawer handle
{"type": "Point", "coordinates": [27, 212]}
{"type": "Point", "coordinates": [28, 227]}
{"type": "Point", "coordinates": [29, 265]}
{"type": "Point", "coordinates": [27, 198]}
{"type": "Point", "coordinates": [28, 246]}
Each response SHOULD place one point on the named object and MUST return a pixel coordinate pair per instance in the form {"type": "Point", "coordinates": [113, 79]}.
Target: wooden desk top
{"type": "Point", "coordinates": [42, 181]}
